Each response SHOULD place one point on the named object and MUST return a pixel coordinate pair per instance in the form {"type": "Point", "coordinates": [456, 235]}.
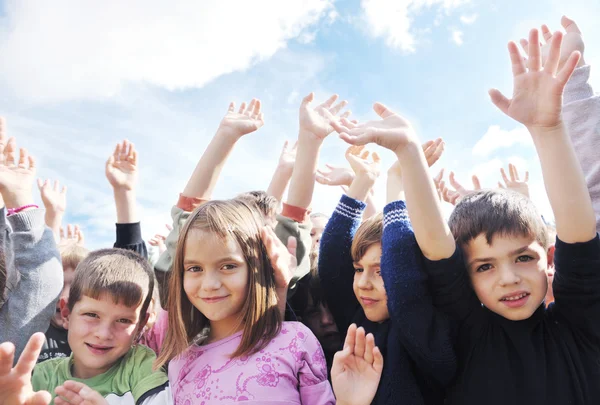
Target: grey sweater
{"type": "Point", "coordinates": [581, 112]}
{"type": "Point", "coordinates": [33, 277]}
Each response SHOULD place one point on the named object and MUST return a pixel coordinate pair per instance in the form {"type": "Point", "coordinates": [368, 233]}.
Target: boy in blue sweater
{"type": "Point", "coordinates": [372, 277]}
{"type": "Point", "coordinates": [510, 348]}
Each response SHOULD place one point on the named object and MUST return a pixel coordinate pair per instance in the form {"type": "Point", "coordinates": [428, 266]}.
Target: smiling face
{"type": "Point", "coordinates": [215, 280]}
{"type": "Point", "coordinates": [100, 333]}
{"type": "Point", "coordinates": [508, 275]}
{"type": "Point", "coordinates": [368, 285]}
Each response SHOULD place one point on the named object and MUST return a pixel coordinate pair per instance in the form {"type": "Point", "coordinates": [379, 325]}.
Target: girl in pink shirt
{"type": "Point", "coordinates": [226, 341]}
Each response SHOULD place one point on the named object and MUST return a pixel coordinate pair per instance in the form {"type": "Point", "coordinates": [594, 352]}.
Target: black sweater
{"type": "Point", "coordinates": [551, 358]}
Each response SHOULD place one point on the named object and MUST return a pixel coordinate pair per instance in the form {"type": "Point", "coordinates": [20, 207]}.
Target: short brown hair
{"type": "Point", "coordinates": [496, 212]}
{"type": "Point", "coordinates": [72, 254]}
{"type": "Point", "coordinates": [120, 273]}
{"type": "Point", "coordinates": [368, 234]}
{"type": "Point", "coordinates": [266, 204]}
{"type": "Point", "coordinates": [242, 222]}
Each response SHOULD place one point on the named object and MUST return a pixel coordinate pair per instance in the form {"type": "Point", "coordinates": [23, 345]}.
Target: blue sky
{"type": "Point", "coordinates": [78, 76]}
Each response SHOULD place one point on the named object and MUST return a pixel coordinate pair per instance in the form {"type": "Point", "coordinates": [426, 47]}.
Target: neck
{"type": "Point", "coordinates": [224, 328]}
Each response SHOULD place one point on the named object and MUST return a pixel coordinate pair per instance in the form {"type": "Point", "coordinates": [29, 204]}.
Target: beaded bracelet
{"type": "Point", "coordinates": [12, 211]}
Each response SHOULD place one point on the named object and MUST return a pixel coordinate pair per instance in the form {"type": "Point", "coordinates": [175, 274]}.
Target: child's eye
{"type": "Point", "coordinates": [359, 269]}
{"type": "Point", "coordinates": [230, 267]}
{"type": "Point", "coordinates": [524, 258]}
{"type": "Point", "coordinates": [91, 315]}
{"type": "Point", "coordinates": [484, 267]}
{"type": "Point", "coordinates": [125, 321]}
{"type": "Point", "coordinates": [194, 269]}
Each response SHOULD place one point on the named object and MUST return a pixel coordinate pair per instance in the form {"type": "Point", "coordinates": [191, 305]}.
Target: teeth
{"type": "Point", "coordinates": [516, 297]}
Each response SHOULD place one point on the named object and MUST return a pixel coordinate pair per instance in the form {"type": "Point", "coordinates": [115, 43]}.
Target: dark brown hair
{"type": "Point", "coordinates": [120, 273]}
{"type": "Point", "coordinates": [266, 204]}
{"type": "Point", "coordinates": [368, 234]}
{"type": "Point", "coordinates": [240, 221]}
{"type": "Point", "coordinates": [496, 212]}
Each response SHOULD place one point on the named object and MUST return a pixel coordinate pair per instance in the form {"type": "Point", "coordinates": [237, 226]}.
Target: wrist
{"type": "Point", "coordinates": [17, 199]}
{"type": "Point", "coordinates": [539, 133]}
{"type": "Point", "coordinates": [285, 169]}
{"type": "Point", "coordinates": [411, 148]}
{"type": "Point", "coordinates": [308, 136]}
{"type": "Point", "coordinates": [227, 134]}
{"type": "Point", "coordinates": [360, 188]}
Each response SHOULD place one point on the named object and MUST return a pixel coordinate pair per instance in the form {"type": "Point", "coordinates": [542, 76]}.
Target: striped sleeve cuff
{"type": "Point", "coordinates": [350, 208]}
{"type": "Point", "coordinates": [395, 212]}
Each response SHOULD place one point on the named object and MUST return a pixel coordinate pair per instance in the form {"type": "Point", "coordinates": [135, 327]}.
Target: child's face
{"type": "Point", "coordinates": [318, 226]}
{"type": "Point", "coordinates": [68, 274]}
{"type": "Point", "coordinates": [508, 276]}
{"type": "Point", "coordinates": [320, 321]}
{"type": "Point", "coordinates": [100, 333]}
{"type": "Point", "coordinates": [368, 285]}
{"type": "Point", "coordinates": [215, 280]}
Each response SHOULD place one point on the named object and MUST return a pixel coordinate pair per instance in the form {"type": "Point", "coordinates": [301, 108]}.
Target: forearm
{"type": "Point", "coordinates": [302, 184]}
{"type": "Point", "coordinates": [431, 230]}
{"type": "Point", "coordinates": [204, 178]}
{"type": "Point", "coordinates": [279, 182]}
{"type": "Point", "coordinates": [565, 185]}
{"type": "Point", "coordinates": [125, 202]}
{"type": "Point", "coordinates": [395, 187]}
{"type": "Point", "coordinates": [17, 198]}
{"type": "Point", "coordinates": [360, 188]}
{"type": "Point", "coordinates": [53, 220]}
{"type": "Point", "coordinates": [371, 208]}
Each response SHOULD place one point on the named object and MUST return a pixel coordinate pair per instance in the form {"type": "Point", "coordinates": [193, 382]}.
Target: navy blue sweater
{"type": "Point", "coordinates": [552, 358]}
{"type": "Point", "coordinates": [416, 344]}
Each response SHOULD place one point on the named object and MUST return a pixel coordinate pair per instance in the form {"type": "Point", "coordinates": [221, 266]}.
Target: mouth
{"type": "Point", "coordinates": [367, 302]}
{"type": "Point", "coordinates": [98, 349]}
{"type": "Point", "coordinates": [515, 300]}
{"type": "Point", "coordinates": [212, 300]}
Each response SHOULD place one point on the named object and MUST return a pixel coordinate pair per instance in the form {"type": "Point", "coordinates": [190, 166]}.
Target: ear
{"type": "Point", "coordinates": [551, 250]}
{"type": "Point", "coordinates": [64, 312]}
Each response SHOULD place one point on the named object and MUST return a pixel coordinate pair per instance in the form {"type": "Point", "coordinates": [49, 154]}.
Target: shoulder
{"type": "Point", "coordinates": [46, 372]}
{"type": "Point", "coordinates": [137, 364]}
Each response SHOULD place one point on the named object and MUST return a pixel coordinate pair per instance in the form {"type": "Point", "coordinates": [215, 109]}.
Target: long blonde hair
{"type": "Point", "coordinates": [262, 320]}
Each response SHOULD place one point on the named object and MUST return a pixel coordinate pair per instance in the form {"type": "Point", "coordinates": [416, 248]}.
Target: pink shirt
{"type": "Point", "coordinates": [290, 370]}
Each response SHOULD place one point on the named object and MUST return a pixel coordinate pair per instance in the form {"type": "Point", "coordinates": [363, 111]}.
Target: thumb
{"type": "Point", "coordinates": [308, 99]}
{"type": "Point", "coordinates": [382, 110]}
{"type": "Point", "coordinates": [40, 398]}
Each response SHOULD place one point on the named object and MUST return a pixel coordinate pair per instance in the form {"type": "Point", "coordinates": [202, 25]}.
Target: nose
{"type": "Point", "coordinates": [364, 280]}
{"type": "Point", "coordinates": [508, 276]}
{"type": "Point", "coordinates": [211, 281]}
{"type": "Point", "coordinates": [104, 331]}
{"type": "Point", "coordinates": [326, 318]}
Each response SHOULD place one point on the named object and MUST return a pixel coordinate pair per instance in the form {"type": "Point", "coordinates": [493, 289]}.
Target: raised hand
{"type": "Point", "coordinates": [335, 176]}
{"type": "Point", "coordinates": [159, 240]}
{"type": "Point", "coordinates": [572, 41]}
{"type": "Point", "coordinates": [514, 182]}
{"type": "Point", "coordinates": [122, 167]}
{"type": "Point", "coordinates": [283, 260]}
{"type": "Point", "coordinates": [287, 159]}
{"type": "Point", "coordinates": [360, 164]}
{"type": "Point", "coordinates": [453, 195]}
{"type": "Point", "coordinates": [53, 197]}
{"type": "Point", "coordinates": [15, 382]}
{"type": "Point", "coordinates": [392, 132]}
{"type": "Point", "coordinates": [76, 393]}
{"type": "Point", "coordinates": [247, 119]}
{"type": "Point", "coordinates": [17, 171]}
{"type": "Point", "coordinates": [72, 234]}
{"type": "Point", "coordinates": [537, 93]}
{"type": "Point", "coordinates": [356, 370]}
{"type": "Point", "coordinates": [317, 121]}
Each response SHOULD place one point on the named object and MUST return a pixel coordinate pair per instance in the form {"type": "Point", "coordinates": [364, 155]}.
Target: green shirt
{"type": "Point", "coordinates": [127, 382]}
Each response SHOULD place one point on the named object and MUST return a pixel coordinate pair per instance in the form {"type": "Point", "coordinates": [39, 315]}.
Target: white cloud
{"type": "Point", "coordinates": [496, 138]}
{"type": "Point", "coordinates": [468, 19]}
{"type": "Point", "coordinates": [64, 50]}
{"type": "Point", "coordinates": [392, 19]}
{"type": "Point", "coordinates": [457, 37]}
{"type": "Point", "coordinates": [307, 37]}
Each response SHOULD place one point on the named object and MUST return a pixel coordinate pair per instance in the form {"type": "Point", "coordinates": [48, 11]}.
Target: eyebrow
{"type": "Point", "coordinates": [489, 259]}
{"type": "Point", "coordinates": [236, 259]}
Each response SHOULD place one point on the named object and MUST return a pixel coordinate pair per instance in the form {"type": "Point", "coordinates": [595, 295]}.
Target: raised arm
{"type": "Point", "coordinates": [283, 172]}
{"type": "Point", "coordinates": [55, 203]}
{"type": "Point", "coordinates": [122, 174]}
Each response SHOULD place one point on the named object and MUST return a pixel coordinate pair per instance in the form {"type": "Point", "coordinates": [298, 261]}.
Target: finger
{"type": "Point", "coordinates": [76, 230]}
{"type": "Point", "coordinates": [500, 185]}
{"type": "Point", "coordinates": [23, 158]}
{"type": "Point", "coordinates": [7, 356]}
{"type": "Point", "coordinates": [70, 234]}
{"type": "Point", "coordinates": [568, 68]}
{"type": "Point", "coordinates": [339, 126]}
{"type": "Point", "coordinates": [257, 107]}
{"type": "Point", "coordinates": [307, 100]}
{"type": "Point", "coordinates": [56, 185]}
{"type": "Point", "coordinates": [71, 395]}
{"type": "Point", "coordinates": [231, 107]}
{"type": "Point", "coordinates": [457, 186]}
{"type": "Point", "coordinates": [62, 233]}
{"type": "Point", "coordinates": [250, 107]}
{"type": "Point", "coordinates": [375, 157]}
{"type": "Point", "coordinates": [526, 177]}
{"type": "Point", "coordinates": [11, 152]}
{"type": "Point", "coordinates": [85, 392]}
{"type": "Point", "coordinates": [169, 227]}
{"type": "Point", "coordinates": [499, 100]}
{"type": "Point", "coordinates": [535, 54]}
{"type": "Point", "coordinates": [504, 176]}
{"type": "Point", "coordinates": [569, 25]}
{"type": "Point", "coordinates": [40, 183]}
{"type": "Point", "coordinates": [553, 59]}
{"type": "Point", "coordinates": [131, 152]}
{"type": "Point", "coordinates": [365, 155]}
{"type": "Point", "coordinates": [350, 337]}
{"type": "Point", "coordinates": [329, 102]}
{"type": "Point", "coordinates": [322, 180]}
{"type": "Point", "coordinates": [382, 110]}
{"type": "Point", "coordinates": [437, 179]}
{"type": "Point", "coordinates": [516, 59]}
{"type": "Point", "coordinates": [338, 107]}
{"type": "Point", "coordinates": [285, 146]}
{"type": "Point", "coordinates": [369, 347]}
{"type": "Point", "coordinates": [524, 45]}
{"type": "Point", "coordinates": [546, 34]}
{"type": "Point", "coordinates": [359, 344]}
{"type": "Point", "coordinates": [31, 163]}
{"type": "Point", "coordinates": [134, 158]}
{"type": "Point", "coordinates": [348, 123]}
{"type": "Point", "coordinates": [117, 152]}
{"type": "Point", "coordinates": [437, 154]}
{"type": "Point", "coordinates": [514, 175]}
{"type": "Point", "coordinates": [40, 398]}
{"type": "Point", "coordinates": [331, 167]}
{"type": "Point", "coordinates": [124, 150]}
{"type": "Point", "coordinates": [377, 360]}
{"type": "Point", "coordinates": [30, 354]}
{"type": "Point", "coordinates": [346, 114]}
{"type": "Point", "coordinates": [476, 183]}
{"type": "Point", "coordinates": [242, 108]}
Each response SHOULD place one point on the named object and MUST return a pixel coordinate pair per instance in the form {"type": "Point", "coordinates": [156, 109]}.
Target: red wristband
{"type": "Point", "coordinates": [12, 211]}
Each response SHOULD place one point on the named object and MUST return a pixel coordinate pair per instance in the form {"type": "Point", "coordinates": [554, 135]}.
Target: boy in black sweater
{"type": "Point", "coordinates": [510, 348]}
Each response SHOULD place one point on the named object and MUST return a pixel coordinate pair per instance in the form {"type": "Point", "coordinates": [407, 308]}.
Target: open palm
{"type": "Point", "coordinates": [318, 120]}
{"type": "Point", "coordinates": [17, 171]}
{"type": "Point", "coordinates": [121, 167]}
{"type": "Point", "coordinates": [537, 94]}
{"type": "Point", "coordinates": [246, 120]}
